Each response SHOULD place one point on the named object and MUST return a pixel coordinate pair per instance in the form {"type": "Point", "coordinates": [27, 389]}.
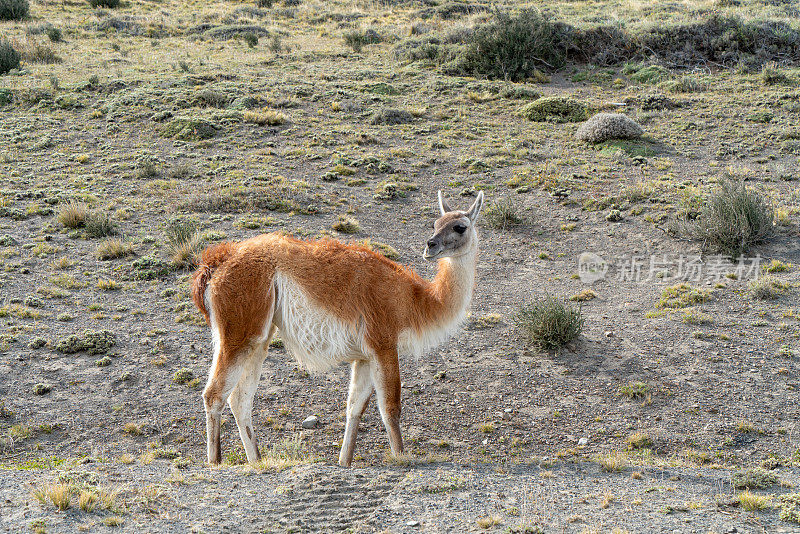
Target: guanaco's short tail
{"type": "Point", "coordinates": [212, 258]}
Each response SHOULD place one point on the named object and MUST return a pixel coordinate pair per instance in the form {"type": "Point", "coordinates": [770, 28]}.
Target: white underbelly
{"type": "Point", "coordinates": [317, 339]}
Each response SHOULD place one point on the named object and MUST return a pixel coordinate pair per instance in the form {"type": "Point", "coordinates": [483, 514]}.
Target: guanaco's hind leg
{"type": "Point", "coordinates": [386, 377]}
{"type": "Point", "coordinates": [241, 399]}
{"type": "Point", "coordinates": [221, 380]}
{"type": "Point", "coordinates": [357, 399]}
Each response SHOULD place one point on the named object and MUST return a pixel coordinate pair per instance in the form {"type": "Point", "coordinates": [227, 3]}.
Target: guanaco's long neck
{"type": "Point", "coordinates": [451, 291]}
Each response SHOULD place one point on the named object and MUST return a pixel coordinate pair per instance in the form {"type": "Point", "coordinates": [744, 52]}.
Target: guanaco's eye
{"type": "Point", "coordinates": [460, 228]}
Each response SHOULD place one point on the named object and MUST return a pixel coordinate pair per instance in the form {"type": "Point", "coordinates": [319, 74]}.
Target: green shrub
{"type": "Point", "coordinates": [14, 9]}
{"type": "Point", "coordinates": [9, 57]}
{"type": "Point", "coordinates": [89, 341]}
{"type": "Point", "coordinates": [550, 323]}
{"type": "Point", "coordinates": [555, 109]}
{"type": "Point", "coordinates": [512, 47]}
{"type": "Point", "coordinates": [733, 219]}
{"type": "Point", "coordinates": [183, 376]}
{"type": "Point", "coordinates": [753, 479]}
{"type": "Point", "coordinates": [111, 4]}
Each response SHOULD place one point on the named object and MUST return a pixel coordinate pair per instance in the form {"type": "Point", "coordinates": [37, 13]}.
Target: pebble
{"type": "Point", "coordinates": [583, 442]}
{"type": "Point", "coordinates": [310, 421]}
{"type": "Point", "coordinates": [412, 524]}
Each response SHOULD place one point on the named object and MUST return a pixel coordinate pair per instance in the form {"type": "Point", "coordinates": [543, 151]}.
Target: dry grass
{"type": "Point", "coordinates": [753, 502]}
{"type": "Point", "coordinates": [113, 248]}
{"type": "Point", "coordinates": [612, 462]}
{"type": "Point", "coordinates": [73, 215]}
{"type": "Point", "coordinates": [265, 117]}
{"type": "Point", "coordinates": [59, 495]}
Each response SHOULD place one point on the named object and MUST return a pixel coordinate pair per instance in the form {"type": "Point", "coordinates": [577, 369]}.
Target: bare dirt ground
{"type": "Point", "coordinates": [638, 426]}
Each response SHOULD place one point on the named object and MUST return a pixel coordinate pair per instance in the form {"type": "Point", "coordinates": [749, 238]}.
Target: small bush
{"type": "Point", "coordinates": [99, 225]}
{"type": "Point", "coordinates": [604, 126]}
{"type": "Point", "coordinates": [110, 4]}
{"type": "Point", "coordinates": [767, 288]}
{"type": "Point", "coordinates": [183, 376]}
{"type": "Point", "coordinates": [733, 219]}
{"type": "Point", "coordinates": [93, 342]}
{"type": "Point", "coordinates": [357, 39]}
{"type": "Point", "coordinates": [392, 116]}
{"type": "Point", "coordinates": [550, 323]}
{"type": "Point", "coordinates": [502, 214]}
{"type": "Point", "coordinates": [753, 479]}
{"type": "Point", "coordinates": [555, 109]}
{"type": "Point", "coordinates": [347, 225]}
{"type": "Point", "coordinates": [14, 9]}
{"type": "Point", "coordinates": [9, 57]}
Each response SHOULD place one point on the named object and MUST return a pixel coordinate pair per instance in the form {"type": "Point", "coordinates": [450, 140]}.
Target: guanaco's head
{"type": "Point", "coordinates": [454, 232]}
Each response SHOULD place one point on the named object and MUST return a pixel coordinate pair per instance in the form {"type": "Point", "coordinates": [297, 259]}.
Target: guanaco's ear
{"type": "Point", "coordinates": [444, 207]}
{"type": "Point", "coordinates": [475, 209]}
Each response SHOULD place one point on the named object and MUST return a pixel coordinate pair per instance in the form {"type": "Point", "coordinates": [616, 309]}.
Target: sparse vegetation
{"type": "Point", "coordinates": [550, 323]}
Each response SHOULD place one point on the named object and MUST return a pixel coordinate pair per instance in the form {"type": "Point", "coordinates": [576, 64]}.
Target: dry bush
{"type": "Point", "coordinates": [604, 126]}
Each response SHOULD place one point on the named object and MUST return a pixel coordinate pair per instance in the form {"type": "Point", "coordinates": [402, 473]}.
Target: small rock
{"type": "Point", "coordinates": [311, 421]}
{"type": "Point", "coordinates": [412, 524]}
{"type": "Point", "coordinates": [583, 442]}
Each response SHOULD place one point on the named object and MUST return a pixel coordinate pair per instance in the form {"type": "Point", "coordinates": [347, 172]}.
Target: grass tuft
{"type": "Point", "coordinates": [113, 248]}
{"type": "Point", "coordinates": [732, 220]}
{"type": "Point", "coordinates": [502, 214]}
{"type": "Point", "coordinates": [184, 242]}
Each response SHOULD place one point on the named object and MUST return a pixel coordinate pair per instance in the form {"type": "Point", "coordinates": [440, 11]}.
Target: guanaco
{"type": "Point", "coordinates": [332, 303]}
